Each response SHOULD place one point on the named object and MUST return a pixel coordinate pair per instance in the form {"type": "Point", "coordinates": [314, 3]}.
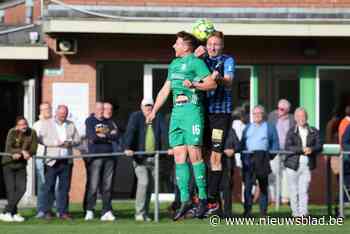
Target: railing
{"type": "Point", "coordinates": [156, 155]}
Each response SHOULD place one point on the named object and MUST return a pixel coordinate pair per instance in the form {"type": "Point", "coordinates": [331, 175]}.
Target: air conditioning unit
{"type": "Point", "coordinates": [66, 46]}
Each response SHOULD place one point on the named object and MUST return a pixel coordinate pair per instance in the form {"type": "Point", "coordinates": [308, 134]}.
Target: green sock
{"type": "Point", "coordinates": [182, 179]}
{"type": "Point", "coordinates": [199, 175]}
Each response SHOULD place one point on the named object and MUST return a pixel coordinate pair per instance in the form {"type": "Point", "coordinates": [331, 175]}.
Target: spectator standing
{"type": "Point", "coordinates": [283, 121]}
{"type": "Point", "coordinates": [59, 136]}
{"type": "Point", "coordinates": [100, 133]}
{"type": "Point", "coordinates": [21, 143]}
{"type": "Point", "coordinates": [304, 141]}
{"type": "Point", "coordinates": [149, 137]}
{"type": "Point", "coordinates": [258, 138]}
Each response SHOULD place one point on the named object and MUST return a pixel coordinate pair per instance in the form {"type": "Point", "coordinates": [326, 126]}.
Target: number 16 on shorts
{"type": "Point", "coordinates": [196, 129]}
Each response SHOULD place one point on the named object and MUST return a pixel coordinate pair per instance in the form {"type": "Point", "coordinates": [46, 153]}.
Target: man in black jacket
{"type": "Point", "coordinates": [232, 146]}
{"type": "Point", "coordinates": [304, 142]}
{"type": "Point", "coordinates": [149, 137]}
{"type": "Point", "coordinates": [100, 133]}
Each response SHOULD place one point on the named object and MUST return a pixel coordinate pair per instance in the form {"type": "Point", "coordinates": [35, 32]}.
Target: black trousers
{"type": "Point", "coordinates": [226, 186]}
{"type": "Point", "coordinates": [15, 183]}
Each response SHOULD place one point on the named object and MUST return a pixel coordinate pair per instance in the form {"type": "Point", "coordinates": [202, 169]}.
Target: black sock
{"type": "Point", "coordinates": [214, 185]}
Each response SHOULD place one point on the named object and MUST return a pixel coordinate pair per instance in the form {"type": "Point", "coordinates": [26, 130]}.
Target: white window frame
{"type": "Point", "coordinates": [148, 78]}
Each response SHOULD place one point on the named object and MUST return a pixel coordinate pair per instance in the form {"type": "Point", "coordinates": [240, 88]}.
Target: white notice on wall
{"type": "Point", "coordinates": [76, 97]}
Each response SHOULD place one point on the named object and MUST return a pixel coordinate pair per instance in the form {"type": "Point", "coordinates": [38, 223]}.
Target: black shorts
{"type": "Point", "coordinates": [216, 128]}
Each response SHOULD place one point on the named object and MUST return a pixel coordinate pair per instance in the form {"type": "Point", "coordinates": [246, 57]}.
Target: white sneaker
{"type": "Point", "coordinates": [139, 218]}
{"type": "Point", "coordinates": [108, 216]}
{"type": "Point", "coordinates": [18, 218]}
{"type": "Point", "coordinates": [142, 218]}
{"type": "Point", "coordinates": [89, 215]}
{"type": "Point", "coordinates": [6, 217]}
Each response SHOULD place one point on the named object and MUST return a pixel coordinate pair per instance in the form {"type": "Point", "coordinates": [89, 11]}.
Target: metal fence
{"type": "Point", "coordinates": [156, 155]}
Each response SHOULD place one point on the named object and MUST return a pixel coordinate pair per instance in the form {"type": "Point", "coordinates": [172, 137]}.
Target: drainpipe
{"type": "Point", "coordinates": [29, 11]}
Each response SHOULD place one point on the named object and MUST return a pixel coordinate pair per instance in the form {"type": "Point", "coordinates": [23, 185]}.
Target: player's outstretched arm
{"type": "Point", "coordinates": [160, 100]}
{"type": "Point", "coordinates": [208, 83]}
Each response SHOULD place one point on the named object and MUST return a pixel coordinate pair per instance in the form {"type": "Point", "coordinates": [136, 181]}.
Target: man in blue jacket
{"type": "Point", "coordinates": [144, 136]}
{"type": "Point", "coordinates": [259, 137]}
{"type": "Point", "coordinates": [100, 133]}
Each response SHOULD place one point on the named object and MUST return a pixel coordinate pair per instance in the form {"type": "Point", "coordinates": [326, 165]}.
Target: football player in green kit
{"type": "Point", "coordinates": [188, 76]}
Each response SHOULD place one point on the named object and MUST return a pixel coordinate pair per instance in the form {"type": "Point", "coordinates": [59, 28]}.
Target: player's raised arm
{"type": "Point", "coordinates": [160, 100]}
{"type": "Point", "coordinates": [206, 84]}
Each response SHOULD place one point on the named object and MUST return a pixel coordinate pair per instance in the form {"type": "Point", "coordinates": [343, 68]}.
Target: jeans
{"type": "Point", "coordinates": [61, 170]}
{"type": "Point", "coordinates": [249, 179]}
{"type": "Point", "coordinates": [40, 183]}
{"type": "Point", "coordinates": [100, 171]}
{"type": "Point", "coordinates": [15, 182]}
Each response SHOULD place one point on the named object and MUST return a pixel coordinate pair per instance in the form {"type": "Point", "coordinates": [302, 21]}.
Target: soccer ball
{"type": "Point", "coordinates": [202, 29]}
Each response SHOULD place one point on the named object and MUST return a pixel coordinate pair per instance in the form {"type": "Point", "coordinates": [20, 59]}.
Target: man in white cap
{"type": "Point", "coordinates": [144, 136]}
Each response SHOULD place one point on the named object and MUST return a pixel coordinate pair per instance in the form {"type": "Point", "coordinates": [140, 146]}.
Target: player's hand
{"type": "Point", "coordinates": [216, 75]}
{"type": "Point", "coordinates": [187, 84]}
{"type": "Point", "coordinates": [229, 152]}
{"type": "Point", "coordinates": [200, 51]}
{"type": "Point", "coordinates": [170, 152]}
{"type": "Point", "coordinates": [16, 156]}
{"type": "Point", "coordinates": [129, 153]}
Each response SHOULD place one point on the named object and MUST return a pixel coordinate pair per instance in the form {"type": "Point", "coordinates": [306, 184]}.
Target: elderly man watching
{"type": "Point", "coordinates": [100, 133]}
{"type": "Point", "coordinates": [258, 138]}
{"type": "Point", "coordinates": [59, 136]}
{"type": "Point", "coordinates": [304, 141]}
{"type": "Point", "coordinates": [283, 121]}
{"type": "Point", "coordinates": [144, 136]}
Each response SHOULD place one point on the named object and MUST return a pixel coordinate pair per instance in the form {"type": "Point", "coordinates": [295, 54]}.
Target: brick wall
{"type": "Point", "coordinates": [16, 14]}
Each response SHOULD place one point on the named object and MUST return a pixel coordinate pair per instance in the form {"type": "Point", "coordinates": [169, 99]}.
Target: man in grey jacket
{"type": "Point", "coordinates": [59, 136]}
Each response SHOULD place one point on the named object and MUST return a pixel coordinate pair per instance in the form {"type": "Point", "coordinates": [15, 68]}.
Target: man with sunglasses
{"type": "Point", "coordinates": [283, 121]}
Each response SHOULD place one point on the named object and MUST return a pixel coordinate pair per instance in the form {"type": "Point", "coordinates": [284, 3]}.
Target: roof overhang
{"type": "Point", "coordinates": [239, 28]}
{"type": "Point", "coordinates": [24, 52]}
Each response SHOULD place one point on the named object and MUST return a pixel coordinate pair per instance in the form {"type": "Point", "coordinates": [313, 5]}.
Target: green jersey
{"type": "Point", "coordinates": [187, 68]}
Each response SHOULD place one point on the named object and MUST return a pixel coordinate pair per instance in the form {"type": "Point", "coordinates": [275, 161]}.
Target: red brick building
{"type": "Point", "coordinates": [120, 50]}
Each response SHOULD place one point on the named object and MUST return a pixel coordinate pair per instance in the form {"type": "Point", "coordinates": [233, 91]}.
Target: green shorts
{"type": "Point", "coordinates": [186, 125]}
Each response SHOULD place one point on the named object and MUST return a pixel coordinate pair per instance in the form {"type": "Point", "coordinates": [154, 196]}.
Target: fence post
{"type": "Point", "coordinates": [156, 187]}
{"type": "Point", "coordinates": [278, 183]}
{"type": "Point", "coordinates": [329, 185]}
{"type": "Point", "coordinates": [341, 186]}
